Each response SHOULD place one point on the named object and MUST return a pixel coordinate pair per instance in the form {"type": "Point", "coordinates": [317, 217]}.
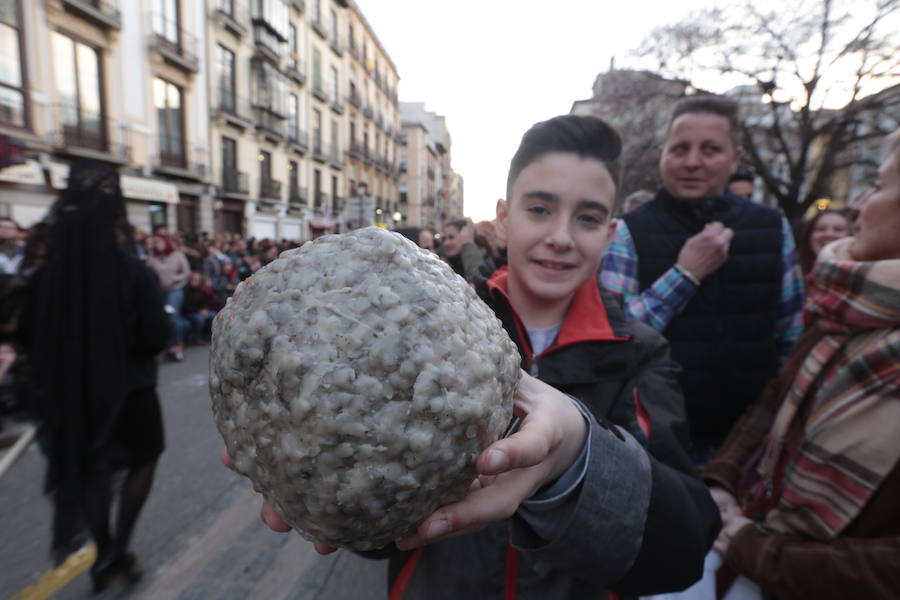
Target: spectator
{"type": "Point", "coordinates": [825, 227]}
{"type": "Point", "coordinates": [419, 236]}
{"type": "Point", "coordinates": [92, 329]}
{"type": "Point", "coordinates": [172, 268]}
{"type": "Point", "coordinates": [716, 273]}
{"type": "Point", "coordinates": [741, 184]}
{"type": "Point", "coordinates": [808, 481]}
{"type": "Point", "coordinates": [636, 199]}
{"type": "Point", "coordinates": [10, 249]}
{"type": "Point", "coordinates": [195, 311]}
{"type": "Point", "coordinates": [458, 248]}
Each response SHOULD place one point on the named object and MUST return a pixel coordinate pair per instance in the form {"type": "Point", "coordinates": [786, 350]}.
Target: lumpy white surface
{"type": "Point", "coordinates": [355, 380]}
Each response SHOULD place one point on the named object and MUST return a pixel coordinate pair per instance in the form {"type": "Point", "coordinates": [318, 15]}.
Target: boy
{"type": "Point", "coordinates": [572, 505]}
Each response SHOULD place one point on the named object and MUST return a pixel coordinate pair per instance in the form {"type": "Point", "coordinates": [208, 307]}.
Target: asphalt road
{"type": "Point", "coordinates": [199, 535]}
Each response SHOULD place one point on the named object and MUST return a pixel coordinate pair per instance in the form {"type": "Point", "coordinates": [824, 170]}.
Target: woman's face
{"type": "Point", "coordinates": [159, 244]}
{"type": "Point", "coordinates": [829, 227]}
{"type": "Point", "coordinates": [878, 228]}
{"type": "Point", "coordinates": [426, 240]}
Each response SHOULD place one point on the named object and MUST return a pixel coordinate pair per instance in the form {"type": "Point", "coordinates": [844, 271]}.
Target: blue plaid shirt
{"type": "Point", "coordinates": [658, 304]}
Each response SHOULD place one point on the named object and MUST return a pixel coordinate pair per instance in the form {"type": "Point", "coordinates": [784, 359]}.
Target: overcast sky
{"type": "Point", "coordinates": [495, 67]}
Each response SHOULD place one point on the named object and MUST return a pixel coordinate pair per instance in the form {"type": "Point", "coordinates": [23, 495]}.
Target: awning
{"type": "Point", "coordinates": [322, 223]}
{"type": "Point", "coordinates": [133, 188]}
{"type": "Point", "coordinates": [30, 173]}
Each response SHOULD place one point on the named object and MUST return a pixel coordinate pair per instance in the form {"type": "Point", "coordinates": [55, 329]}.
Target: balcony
{"type": "Point", "coordinates": [99, 12]}
{"type": "Point", "coordinates": [233, 18]}
{"type": "Point", "coordinates": [174, 44]}
{"type": "Point", "coordinates": [377, 78]}
{"type": "Point", "coordinates": [298, 196]}
{"type": "Point", "coordinates": [334, 157]}
{"type": "Point", "coordinates": [355, 150]}
{"type": "Point", "coordinates": [268, 45]}
{"type": "Point", "coordinates": [269, 188]}
{"type": "Point", "coordinates": [318, 150]}
{"type": "Point", "coordinates": [89, 135]}
{"type": "Point", "coordinates": [294, 70]}
{"type": "Point", "coordinates": [298, 139]}
{"type": "Point", "coordinates": [354, 99]}
{"type": "Point", "coordinates": [354, 52]}
{"type": "Point", "coordinates": [319, 27]}
{"type": "Point", "coordinates": [368, 112]}
{"type": "Point", "coordinates": [322, 199]}
{"type": "Point", "coordinates": [233, 109]}
{"type": "Point", "coordinates": [336, 46]}
{"type": "Point", "coordinates": [235, 182]}
{"type": "Point", "coordinates": [337, 106]}
{"type": "Point", "coordinates": [270, 124]}
{"type": "Point", "coordinates": [319, 92]}
{"type": "Point", "coordinates": [430, 173]}
{"type": "Point", "coordinates": [379, 121]}
{"type": "Point", "coordinates": [300, 5]}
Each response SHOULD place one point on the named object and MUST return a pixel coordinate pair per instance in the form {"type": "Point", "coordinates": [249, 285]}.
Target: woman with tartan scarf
{"type": "Point", "coordinates": [808, 481]}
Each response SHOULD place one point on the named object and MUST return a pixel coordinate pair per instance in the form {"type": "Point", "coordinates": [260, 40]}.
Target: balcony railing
{"type": "Point", "coordinates": [337, 106]}
{"type": "Point", "coordinates": [298, 195]}
{"type": "Point", "coordinates": [354, 99]}
{"type": "Point", "coordinates": [89, 133]}
{"type": "Point", "coordinates": [319, 27]}
{"type": "Point", "coordinates": [233, 107]}
{"type": "Point", "coordinates": [319, 92]}
{"type": "Point", "coordinates": [368, 111]}
{"type": "Point", "coordinates": [270, 188]}
{"type": "Point", "coordinates": [294, 70]}
{"type": "Point", "coordinates": [354, 52]}
{"type": "Point", "coordinates": [355, 150]}
{"type": "Point", "coordinates": [234, 16]}
{"type": "Point", "coordinates": [318, 149]}
{"type": "Point", "coordinates": [100, 12]}
{"type": "Point", "coordinates": [322, 199]}
{"type": "Point", "coordinates": [234, 181]}
{"type": "Point", "coordinates": [298, 138]}
{"type": "Point", "coordinates": [268, 44]}
{"type": "Point", "coordinates": [336, 46]}
{"type": "Point", "coordinates": [174, 44]}
{"type": "Point", "coordinates": [270, 123]}
{"type": "Point", "coordinates": [175, 160]}
{"type": "Point", "coordinates": [299, 4]}
{"type": "Point", "coordinates": [334, 157]}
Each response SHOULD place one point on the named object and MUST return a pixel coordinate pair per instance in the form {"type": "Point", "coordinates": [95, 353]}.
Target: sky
{"type": "Point", "coordinates": [493, 68]}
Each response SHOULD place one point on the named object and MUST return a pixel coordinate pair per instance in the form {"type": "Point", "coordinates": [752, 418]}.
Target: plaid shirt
{"type": "Point", "coordinates": [658, 304]}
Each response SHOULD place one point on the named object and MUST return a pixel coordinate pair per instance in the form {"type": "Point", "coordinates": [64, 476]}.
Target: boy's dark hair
{"type": "Point", "coordinates": [588, 137]}
{"type": "Point", "coordinates": [458, 223]}
{"type": "Point", "coordinates": [741, 175]}
{"type": "Point", "coordinates": [708, 103]}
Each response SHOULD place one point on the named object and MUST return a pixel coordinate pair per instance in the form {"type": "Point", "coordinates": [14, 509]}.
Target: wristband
{"type": "Point", "coordinates": [687, 275]}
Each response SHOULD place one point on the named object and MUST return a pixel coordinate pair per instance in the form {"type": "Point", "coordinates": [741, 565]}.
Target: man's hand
{"type": "Point", "coordinates": [705, 252]}
{"type": "Point", "coordinates": [467, 233]}
{"type": "Point", "coordinates": [728, 506]}
{"type": "Point", "coordinates": [729, 530]}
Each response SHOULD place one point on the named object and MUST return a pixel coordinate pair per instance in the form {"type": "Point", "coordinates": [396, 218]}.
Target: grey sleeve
{"type": "Point", "coordinates": [600, 529]}
{"type": "Point", "coordinates": [472, 257]}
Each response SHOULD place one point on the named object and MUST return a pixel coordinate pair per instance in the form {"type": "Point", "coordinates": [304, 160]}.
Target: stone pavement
{"type": "Point", "coordinates": [238, 557]}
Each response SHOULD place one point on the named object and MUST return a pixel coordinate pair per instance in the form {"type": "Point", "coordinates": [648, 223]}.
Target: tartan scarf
{"type": "Point", "coordinates": [834, 437]}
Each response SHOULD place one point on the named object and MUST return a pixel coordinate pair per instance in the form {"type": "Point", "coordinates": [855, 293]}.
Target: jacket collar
{"type": "Point", "coordinates": [704, 211]}
{"type": "Point", "coordinates": [586, 320]}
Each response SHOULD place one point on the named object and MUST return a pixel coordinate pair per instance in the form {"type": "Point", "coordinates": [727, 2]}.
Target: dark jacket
{"type": "Point", "coordinates": [620, 537]}
{"type": "Point", "coordinates": [724, 339]}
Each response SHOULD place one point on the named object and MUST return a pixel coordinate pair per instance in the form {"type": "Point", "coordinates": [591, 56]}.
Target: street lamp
{"type": "Point", "coordinates": [398, 217]}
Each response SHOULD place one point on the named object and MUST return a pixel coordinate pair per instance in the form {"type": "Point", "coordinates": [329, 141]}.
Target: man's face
{"type": "Point", "coordinates": [557, 223]}
{"type": "Point", "coordinates": [8, 231]}
{"type": "Point", "coordinates": [450, 241]}
{"type": "Point", "coordinates": [698, 156]}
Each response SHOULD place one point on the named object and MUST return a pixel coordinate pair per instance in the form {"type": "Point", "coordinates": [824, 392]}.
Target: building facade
{"type": "Point", "coordinates": [257, 117]}
{"type": "Point", "coordinates": [117, 83]}
{"type": "Point", "coordinates": [430, 191]}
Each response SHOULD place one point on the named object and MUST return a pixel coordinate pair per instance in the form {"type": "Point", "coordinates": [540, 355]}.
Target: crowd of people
{"type": "Point", "coordinates": [708, 400]}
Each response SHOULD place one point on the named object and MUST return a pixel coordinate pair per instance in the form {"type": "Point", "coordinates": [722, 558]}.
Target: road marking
{"type": "Point", "coordinates": [55, 579]}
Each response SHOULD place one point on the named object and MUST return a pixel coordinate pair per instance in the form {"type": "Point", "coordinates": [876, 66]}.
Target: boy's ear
{"type": "Point", "coordinates": [502, 212]}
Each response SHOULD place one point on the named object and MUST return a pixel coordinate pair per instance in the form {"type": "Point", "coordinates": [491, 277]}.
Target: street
{"type": "Point", "coordinates": [199, 535]}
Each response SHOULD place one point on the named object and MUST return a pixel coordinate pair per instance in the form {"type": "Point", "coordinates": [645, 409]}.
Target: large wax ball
{"type": "Point", "coordinates": [355, 381]}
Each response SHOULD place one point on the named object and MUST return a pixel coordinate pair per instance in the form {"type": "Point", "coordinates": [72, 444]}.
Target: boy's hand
{"type": "Point", "coordinates": [705, 252]}
{"type": "Point", "coordinates": [510, 470]}
{"type": "Point", "coordinates": [467, 233]}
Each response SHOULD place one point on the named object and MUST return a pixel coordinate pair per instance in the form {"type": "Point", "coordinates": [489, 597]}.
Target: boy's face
{"type": "Point", "coordinates": [557, 224]}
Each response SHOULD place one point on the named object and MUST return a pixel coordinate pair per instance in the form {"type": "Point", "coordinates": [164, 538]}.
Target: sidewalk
{"type": "Point", "coordinates": [238, 557]}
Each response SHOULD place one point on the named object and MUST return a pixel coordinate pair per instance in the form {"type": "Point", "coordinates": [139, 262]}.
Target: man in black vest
{"type": "Point", "coordinates": [716, 273]}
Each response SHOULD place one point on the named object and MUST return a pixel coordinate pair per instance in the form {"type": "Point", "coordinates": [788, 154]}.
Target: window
{"type": "Point", "coordinates": [317, 70]}
{"type": "Point", "coordinates": [317, 131]}
{"type": "Point", "coordinates": [169, 122]}
{"type": "Point", "coordinates": [225, 6]}
{"type": "Point", "coordinates": [352, 133]}
{"type": "Point", "coordinates": [293, 117]}
{"type": "Point", "coordinates": [265, 165]}
{"type": "Point", "coordinates": [335, 144]}
{"type": "Point", "coordinates": [13, 98]}
{"type": "Point", "coordinates": [294, 182]}
{"type": "Point", "coordinates": [77, 75]}
{"type": "Point", "coordinates": [334, 27]}
{"type": "Point", "coordinates": [292, 47]}
{"type": "Point", "coordinates": [316, 11]}
{"type": "Point", "coordinates": [225, 67]}
{"type": "Point", "coordinates": [317, 188]}
{"type": "Point", "coordinates": [166, 21]}
{"type": "Point", "coordinates": [230, 178]}
{"type": "Point", "coordinates": [275, 14]}
{"type": "Point", "coordinates": [270, 90]}
{"type": "Point", "coordinates": [334, 195]}
{"type": "Point", "coordinates": [334, 84]}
